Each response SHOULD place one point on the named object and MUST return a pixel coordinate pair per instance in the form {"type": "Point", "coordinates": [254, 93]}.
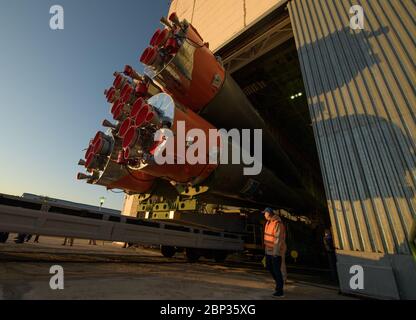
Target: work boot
{"type": "Point", "coordinates": [278, 294]}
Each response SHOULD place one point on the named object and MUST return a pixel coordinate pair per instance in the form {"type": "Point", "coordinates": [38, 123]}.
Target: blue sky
{"type": "Point", "coordinates": [52, 83]}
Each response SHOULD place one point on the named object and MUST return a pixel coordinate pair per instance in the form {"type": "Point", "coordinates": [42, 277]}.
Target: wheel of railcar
{"type": "Point", "coordinates": [192, 255]}
{"type": "Point", "coordinates": [220, 256]}
{"type": "Point", "coordinates": [167, 251]}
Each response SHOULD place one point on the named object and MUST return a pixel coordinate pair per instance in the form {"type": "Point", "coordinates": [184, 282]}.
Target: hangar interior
{"type": "Point", "coordinates": [274, 85]}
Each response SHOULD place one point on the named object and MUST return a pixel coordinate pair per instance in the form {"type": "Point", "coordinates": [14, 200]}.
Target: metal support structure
{"type": "Point", "coordinates": [267, 41]}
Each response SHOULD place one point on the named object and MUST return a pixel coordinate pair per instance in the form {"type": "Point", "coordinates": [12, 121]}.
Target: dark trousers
{"type": "Point", "coordinates": [274, 264]}
{"type": "Point", "coordinates": [332, 260]}
{"type": "Point", "coordinates": [3, 237]}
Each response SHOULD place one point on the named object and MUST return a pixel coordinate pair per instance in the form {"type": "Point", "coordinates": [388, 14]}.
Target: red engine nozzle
{"type": "Point", "coordinates": [172, 46]}
{"type": "Point", "coordinates": [119, 81]}
{"type": "Point", "coordinates": [159, 38]}
{"type": "Point", "coordinates": [118, 112]}
{"type": "Point", "coordinates": [101, 144]}
{"type": "Point", "coordinates": [102, 147]}
{"type": "Point", "coordinates": [137, 105]}
{"type": "Point", "coordinates": [126, 92]}
{"type": "Point", "coordinates": [127, 123]}
{"type": "Point", "coordinates": [150, 56]}
{"type": "Point", "coordinates": [111, 94]}
{"type": "Point", "coordinates": [141, 115]}
{"type": "Point", "coordinates": [131, 137]}
{"type": "Point", "coordinates": [89, 160]}
{"type": "Point", "coordinates": [115, 106]}
{"type": "Point", "coordinates": [89, 151]}
{"type": "Point", "coordinates": [98, 149]}
{"type": "Point", "coordinates": [174, 18]}
{"type": "Point", "coordinates": [194, 85]}
{"type": "Point", "coordinates": [154, 37]}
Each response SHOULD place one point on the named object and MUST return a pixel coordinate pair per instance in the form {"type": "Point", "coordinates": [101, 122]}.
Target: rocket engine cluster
{"type": "Point", "coordinates": [185, 86]}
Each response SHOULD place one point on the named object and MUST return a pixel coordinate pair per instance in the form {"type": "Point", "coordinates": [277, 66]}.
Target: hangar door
{"type": "Point", "coordinates": [361, 96]}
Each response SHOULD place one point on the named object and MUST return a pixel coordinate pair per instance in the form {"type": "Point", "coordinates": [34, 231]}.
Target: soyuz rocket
{"type": "Point", "coordinates": [186, 87]}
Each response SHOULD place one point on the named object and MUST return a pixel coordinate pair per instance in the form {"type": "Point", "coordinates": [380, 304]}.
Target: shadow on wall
{"type": "Point", "coordinates": [369, 168]}
{"type": "Point", "coordinates": [372, 151]}
{"type": "Point", "coordinates": [346, 52]}
{"type": "Point", "coordinates": [363, 156]}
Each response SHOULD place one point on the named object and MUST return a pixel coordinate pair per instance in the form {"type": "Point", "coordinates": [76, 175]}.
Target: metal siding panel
{"type": "Point", "coordinates": [360, 126]}
{"type": "Point", "coordinates": [318, 128]}
{"type": "Point", "coordinates": [329, 54]}
{"type": "Point", "coordinates": [361, 95]}
{"type": "Point", "coordinates": [361, 89]}
{"type": "Point", "coordinates": [393, 174]}
{"type": "Point", "coordinates": [399, 212]}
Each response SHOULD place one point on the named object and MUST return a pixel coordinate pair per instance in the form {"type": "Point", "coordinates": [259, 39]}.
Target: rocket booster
{"type": "Point", "coordinates": [186, 89]}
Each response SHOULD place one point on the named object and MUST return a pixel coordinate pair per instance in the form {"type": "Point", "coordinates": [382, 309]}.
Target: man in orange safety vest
{"type": "Point", "coordinates": [274, 243]}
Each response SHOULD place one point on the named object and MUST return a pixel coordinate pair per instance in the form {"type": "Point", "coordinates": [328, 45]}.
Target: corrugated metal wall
{"type": "Point", "coordinates": [361, 93]}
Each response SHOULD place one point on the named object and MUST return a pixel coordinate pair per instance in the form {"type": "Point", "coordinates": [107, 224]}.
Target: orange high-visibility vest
{"type": "Point", "coordinates": [270, 237]}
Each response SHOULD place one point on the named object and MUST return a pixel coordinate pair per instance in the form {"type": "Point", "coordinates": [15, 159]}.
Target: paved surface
{"type": "Point", "coordinates": [110, 272]}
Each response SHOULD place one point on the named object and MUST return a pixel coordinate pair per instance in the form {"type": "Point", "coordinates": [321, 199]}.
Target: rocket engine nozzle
{"type": "Point", "coordinates": [108, 124]}
{"type": "Point", "coordinates": [125, 125]}
{"type": "Point", "coordinates": [130, 72]}
{"type": "Point", "coordinates": [111, 94]}
{"type": "Point", "coordinates": [151, 57]}
{"type": "Point", "coordinates": [141, 115]}
{"type": "Point", "coordinates": [97, 152]}
{"type": "Point", "coordinates": [136, 107]}
{"type": "Point", "coordinates": [175, 19]}
{"type": "Point", "coordinates": [83, 176]}
{"type": "Point", "coordinates": [194, 75]}
{"type": "Point", "coordinates": [160, 37]}
{"type": "Point", "coordinates": [119, 80]}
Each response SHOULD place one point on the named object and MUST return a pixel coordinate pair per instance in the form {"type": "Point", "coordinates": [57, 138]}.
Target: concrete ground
{"type": "Point", "coordinates": [107, 271]}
